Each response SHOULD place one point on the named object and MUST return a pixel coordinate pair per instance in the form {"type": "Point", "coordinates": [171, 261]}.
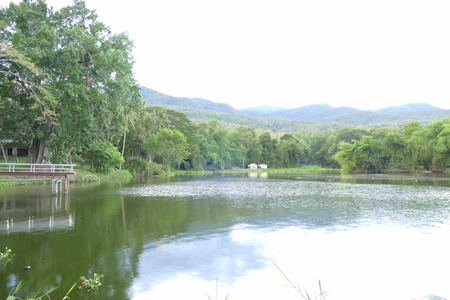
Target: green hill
{"type": "Point", "coordinates": [154, 98]}
{"type": "Point", "coordinates": [412, 107]}
{"type": "Point", "coordinates": [261, 111]}
{"type": "Point", "coordinates": [314, 112]}
{"type": "Point", "coordinates": [201, 110]}
{"type": "Point", "coordinates": [311, 118]}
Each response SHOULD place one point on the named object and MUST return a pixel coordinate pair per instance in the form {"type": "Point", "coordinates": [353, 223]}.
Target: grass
{"type": "Point", "coordinates": [295, 286]}
{"type": "Point", "coordinates": [12, 159]}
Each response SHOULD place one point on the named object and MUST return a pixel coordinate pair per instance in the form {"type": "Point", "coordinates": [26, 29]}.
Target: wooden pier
{"type": "Point", "coordinates": [53, 170]}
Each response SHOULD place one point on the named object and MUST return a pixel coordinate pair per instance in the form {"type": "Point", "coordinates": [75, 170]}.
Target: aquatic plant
{"type": "Point", "coordinates": [86, 286]}
{"type": "Point", "coordinates": [12, 294]}
{"type": "Point", "coordinates": [6, 256]}
{"type": "Point", "coordinates": [89, 286]}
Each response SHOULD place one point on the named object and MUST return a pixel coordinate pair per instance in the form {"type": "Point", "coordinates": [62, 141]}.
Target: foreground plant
{"type": "Point", "coordinates": [303, 294]}
{"type": "Point", "coordinates": [12, 294]}
{"type": "Point", "coordinates": [6, 256]}
{"type": "Point", "coordinates": [89, 286]}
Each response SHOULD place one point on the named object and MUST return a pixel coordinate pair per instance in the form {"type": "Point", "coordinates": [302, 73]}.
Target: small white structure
{"type": "Point", "coordinates": [263, 166]}
{"type": "Point", "coordinates": [252, 166]}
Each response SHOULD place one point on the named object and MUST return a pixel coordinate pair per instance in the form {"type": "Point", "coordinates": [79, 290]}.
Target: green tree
{"type": "Point", "coordinates": [365, 155]}
{"type": "Point", "coordinates": [155, 138]}
{"type": "Point", "coordinates": [22, 97]}
{"type": "Point", "coordinates": [434, 140]}
{"type": "Point", "coordinates": [269, 149]}
{"type": "Point", "coordinates": [88, 68]}
{"type": "Point", "coordinates": [171, 146]}
{"type": "Point", "coordinates": [411, 132]}
{"type": "Point", "coordinates": [103, 157]}
{"type": "Point", "coordinates": [244, 146]}
{"type": "Point", "coordinates": [291, 151]}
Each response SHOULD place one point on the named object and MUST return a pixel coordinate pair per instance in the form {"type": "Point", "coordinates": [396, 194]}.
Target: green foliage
{"type": "Point", "coordinates": [89, 286]}
{"type": "Point", "coordinates": [137, 166]}
{"type": "Point", "coordinates": [5, 257]}
{"type": "Point", "coordinates": [157, 169]}
{"type": "Point", "coordinates": [293, 120]}
{"type": "Point", "coordinates": [413, 149]}
{"type": "Point", "coordinates": [103, 157]}
{"type": "Point", "coordinates": [120, 174]}
{"type": "Point", "coordinates": [13, 293]}
{"type": "Point", "coordinates": [86, 70]}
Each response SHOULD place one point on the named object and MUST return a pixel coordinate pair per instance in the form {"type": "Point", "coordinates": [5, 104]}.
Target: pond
{"type": "Point", "coordinates": [241, 235]}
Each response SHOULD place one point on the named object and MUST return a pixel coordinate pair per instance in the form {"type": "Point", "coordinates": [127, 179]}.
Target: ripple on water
{"type": "Point", "coordinates": [312, 201]}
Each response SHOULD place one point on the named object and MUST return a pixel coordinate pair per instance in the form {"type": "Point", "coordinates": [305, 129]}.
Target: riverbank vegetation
{"type": "Point", "coordinates": [86, 287]}
{"type": "Point", "coordinates": [69, 95]}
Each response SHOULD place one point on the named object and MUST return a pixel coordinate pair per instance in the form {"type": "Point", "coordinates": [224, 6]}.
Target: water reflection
{"type": "Point", "coordinates": [36, 214]}
{"type": "Point", "coordinates": [263, 175]}
{"type": "Point", "coordinates": [364, 237]}
{"type": "Point", "coordinates": [210, 257]}
{"type": "Point", "coordinates": [370, 262]}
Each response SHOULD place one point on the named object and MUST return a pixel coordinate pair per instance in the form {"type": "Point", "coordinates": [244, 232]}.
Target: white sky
{"type": "Point", "coordinates": [364, 54]}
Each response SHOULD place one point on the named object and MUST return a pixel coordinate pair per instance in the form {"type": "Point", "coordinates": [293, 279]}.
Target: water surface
{"type": "Point", "coordinates": [363, 236]}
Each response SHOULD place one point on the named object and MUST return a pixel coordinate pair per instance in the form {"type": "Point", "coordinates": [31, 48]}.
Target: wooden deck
{"type": "Point", "coordinates": [37, 169]}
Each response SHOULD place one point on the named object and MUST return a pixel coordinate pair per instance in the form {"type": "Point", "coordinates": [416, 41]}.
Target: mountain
{"type": "Point", "coordinates": [261, 111]}
{"type": "Point", "coordinates": [154, 98]}
{"type": "Point", "coordinates": [200, 110]}
{"type": "Point", "coordinates": [309, 118]}
{"type": "Point", "coordinates": [412, 107]}
{"type": "Point", "coordinates": [314, 112]}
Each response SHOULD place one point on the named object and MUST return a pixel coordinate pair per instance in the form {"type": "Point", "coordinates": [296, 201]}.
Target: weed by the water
{"type": "Point", "coordinates": [304, 294]}
{"type": "Point", "coordinates": [6, 256]}
{"type": "Point", "coordinates": [88, 286]}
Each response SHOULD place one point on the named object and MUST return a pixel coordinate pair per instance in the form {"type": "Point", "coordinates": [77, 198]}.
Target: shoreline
{"type": "Point", "coordinates": [84, 176]}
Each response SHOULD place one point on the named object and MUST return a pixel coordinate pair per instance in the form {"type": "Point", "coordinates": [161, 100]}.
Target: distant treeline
{"type": "Point", "coordinates": [163, 138]}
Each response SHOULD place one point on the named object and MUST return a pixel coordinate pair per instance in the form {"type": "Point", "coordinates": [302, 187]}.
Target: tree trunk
{"type": "Point", "coordinates": [38, 151]}
{"type": "Point", "coordinates": [5, 154]}
{"type": "Point", "coordinates": [123, 148]}
{"type": "Point", "coordinates": [69, 154]}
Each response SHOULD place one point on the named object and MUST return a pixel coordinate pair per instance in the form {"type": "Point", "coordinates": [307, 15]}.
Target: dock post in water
{"type": "Point", "coordinates": [54, 186]}
{"type": "Point", "coordinates": [66, 187]}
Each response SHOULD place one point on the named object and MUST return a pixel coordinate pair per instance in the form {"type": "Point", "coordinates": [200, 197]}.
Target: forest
{"type": "Point", "coordinates": [68, 93]}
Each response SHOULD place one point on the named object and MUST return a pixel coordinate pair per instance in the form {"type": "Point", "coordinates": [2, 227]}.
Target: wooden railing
{"type": "Point", "coordinates": [36, 169]}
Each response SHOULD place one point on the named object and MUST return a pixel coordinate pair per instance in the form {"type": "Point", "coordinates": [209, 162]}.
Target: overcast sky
{"type": "Point", "coordinates": [364, 54]}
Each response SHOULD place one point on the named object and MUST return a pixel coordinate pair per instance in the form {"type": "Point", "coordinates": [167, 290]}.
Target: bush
{"type": "Point", "coordinates": [137, 166]}
{"type": "Point", "coordinates": [103, 157]}
{"type": "Point", "coordinates": [157, 169]}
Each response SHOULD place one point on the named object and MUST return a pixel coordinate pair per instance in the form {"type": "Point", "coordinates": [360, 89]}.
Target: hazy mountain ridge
{"type": "Point", "coordinates": [272, 118]}
{"type": "Point", "coordinates": [154, 98]}
{"type": "Point", "coordinates": [261, 110]}
{"type": "Point", "coordinates": [411, 107]}
{"type": "Point", "coordinates": [314, 112]}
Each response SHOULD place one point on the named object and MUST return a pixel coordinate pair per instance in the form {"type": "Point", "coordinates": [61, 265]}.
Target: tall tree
{"type": "Point", "coordinates": [89, 69]}
{"type": "Point", "coordinates": [22, 97]}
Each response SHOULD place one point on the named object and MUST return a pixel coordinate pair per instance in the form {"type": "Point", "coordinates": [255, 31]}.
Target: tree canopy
{"type": "Point", "coordinates": [87, 70]}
